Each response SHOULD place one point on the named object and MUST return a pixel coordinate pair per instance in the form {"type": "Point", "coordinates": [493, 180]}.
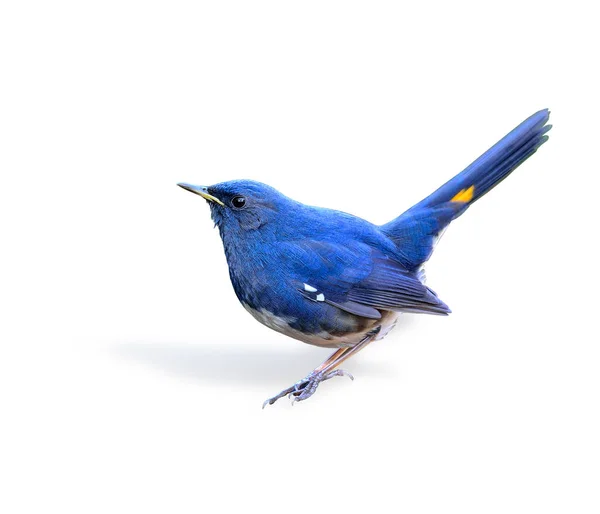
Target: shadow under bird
{"type": "Point", "coordinates": [334, 280]}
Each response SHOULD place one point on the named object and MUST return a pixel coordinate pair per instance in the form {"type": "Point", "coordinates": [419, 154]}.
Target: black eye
{"type": "Point", "coordinates": [238, 202]}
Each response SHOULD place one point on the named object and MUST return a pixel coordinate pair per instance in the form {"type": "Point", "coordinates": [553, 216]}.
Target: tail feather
{"type": "Point", "coordinates": [416, 231]}
{"type": "Point", "coordinates": [497, 163]}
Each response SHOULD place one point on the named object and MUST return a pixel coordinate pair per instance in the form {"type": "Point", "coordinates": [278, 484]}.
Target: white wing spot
{"type": "Point", "coordinates": [310, 289]}
{"type": "Point", "coordinates": [320, 297]}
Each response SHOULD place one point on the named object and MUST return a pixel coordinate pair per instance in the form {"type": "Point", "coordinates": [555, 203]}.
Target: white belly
{"type": "Point", "coordinates": [281, 324]}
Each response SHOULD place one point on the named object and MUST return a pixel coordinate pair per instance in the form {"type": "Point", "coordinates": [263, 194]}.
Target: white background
{"type": "Point", "coordinates": [131, 378]}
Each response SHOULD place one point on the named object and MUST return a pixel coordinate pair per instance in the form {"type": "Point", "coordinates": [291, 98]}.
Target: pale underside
{"type": "Point", "coordinates": [324, 339]}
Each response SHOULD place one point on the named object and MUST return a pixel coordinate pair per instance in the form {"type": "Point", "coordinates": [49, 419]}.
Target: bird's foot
{"type": "Point", "coordinates": [305, 388]}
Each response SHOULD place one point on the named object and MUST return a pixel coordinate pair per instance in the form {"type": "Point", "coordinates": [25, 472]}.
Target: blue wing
{"type": "Point", "coordinates": [416, 231]}
{"type": "Point", "coordinates": [356, 278]}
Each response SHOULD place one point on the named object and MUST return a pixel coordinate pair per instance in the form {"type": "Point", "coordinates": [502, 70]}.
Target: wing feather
{"type": "Point", "coordinates": [357, 278]}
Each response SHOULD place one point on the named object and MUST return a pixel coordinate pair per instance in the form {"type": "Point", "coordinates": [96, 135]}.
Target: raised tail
{"type": "Point", "coordinates": [416, 231]}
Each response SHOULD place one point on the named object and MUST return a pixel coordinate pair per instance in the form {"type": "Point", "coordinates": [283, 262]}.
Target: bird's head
{"type": "Point", "coordinates": [241, 205]}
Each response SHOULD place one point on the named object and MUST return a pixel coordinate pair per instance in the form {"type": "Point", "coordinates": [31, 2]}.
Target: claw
{"type": "Point", "coordinates": [338, 373]}
{"type": "Point", "coordinates": [271, 401]}
{"type": "Point", "coordinates": [305, 388]}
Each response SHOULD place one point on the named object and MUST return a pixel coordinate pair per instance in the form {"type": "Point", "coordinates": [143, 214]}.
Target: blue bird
{"type": "Point", "coordinates": [334, 280]}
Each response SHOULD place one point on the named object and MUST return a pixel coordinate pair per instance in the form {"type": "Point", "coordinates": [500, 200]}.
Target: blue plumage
{"type": "Point", "coordinates": [331, 279]}
{"type": "Point", "coordinates": [415, 231]}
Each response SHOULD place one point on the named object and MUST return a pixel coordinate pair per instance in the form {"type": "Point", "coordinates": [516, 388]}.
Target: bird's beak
{"type": "Point", "coordinates": [202, 191]}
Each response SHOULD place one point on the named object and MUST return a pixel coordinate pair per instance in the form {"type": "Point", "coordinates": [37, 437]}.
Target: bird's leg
{"type": "Point", "coordinates": [308, 385]}
{"type": "Point", "coordinates": [305, 388]}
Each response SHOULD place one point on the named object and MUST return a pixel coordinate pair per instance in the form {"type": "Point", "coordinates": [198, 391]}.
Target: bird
{"type": "Point", "coordinates": [334, 280]}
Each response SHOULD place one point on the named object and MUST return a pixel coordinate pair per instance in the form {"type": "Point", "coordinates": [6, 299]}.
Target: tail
{"type": "Point", "coordinates": [416, 231]}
